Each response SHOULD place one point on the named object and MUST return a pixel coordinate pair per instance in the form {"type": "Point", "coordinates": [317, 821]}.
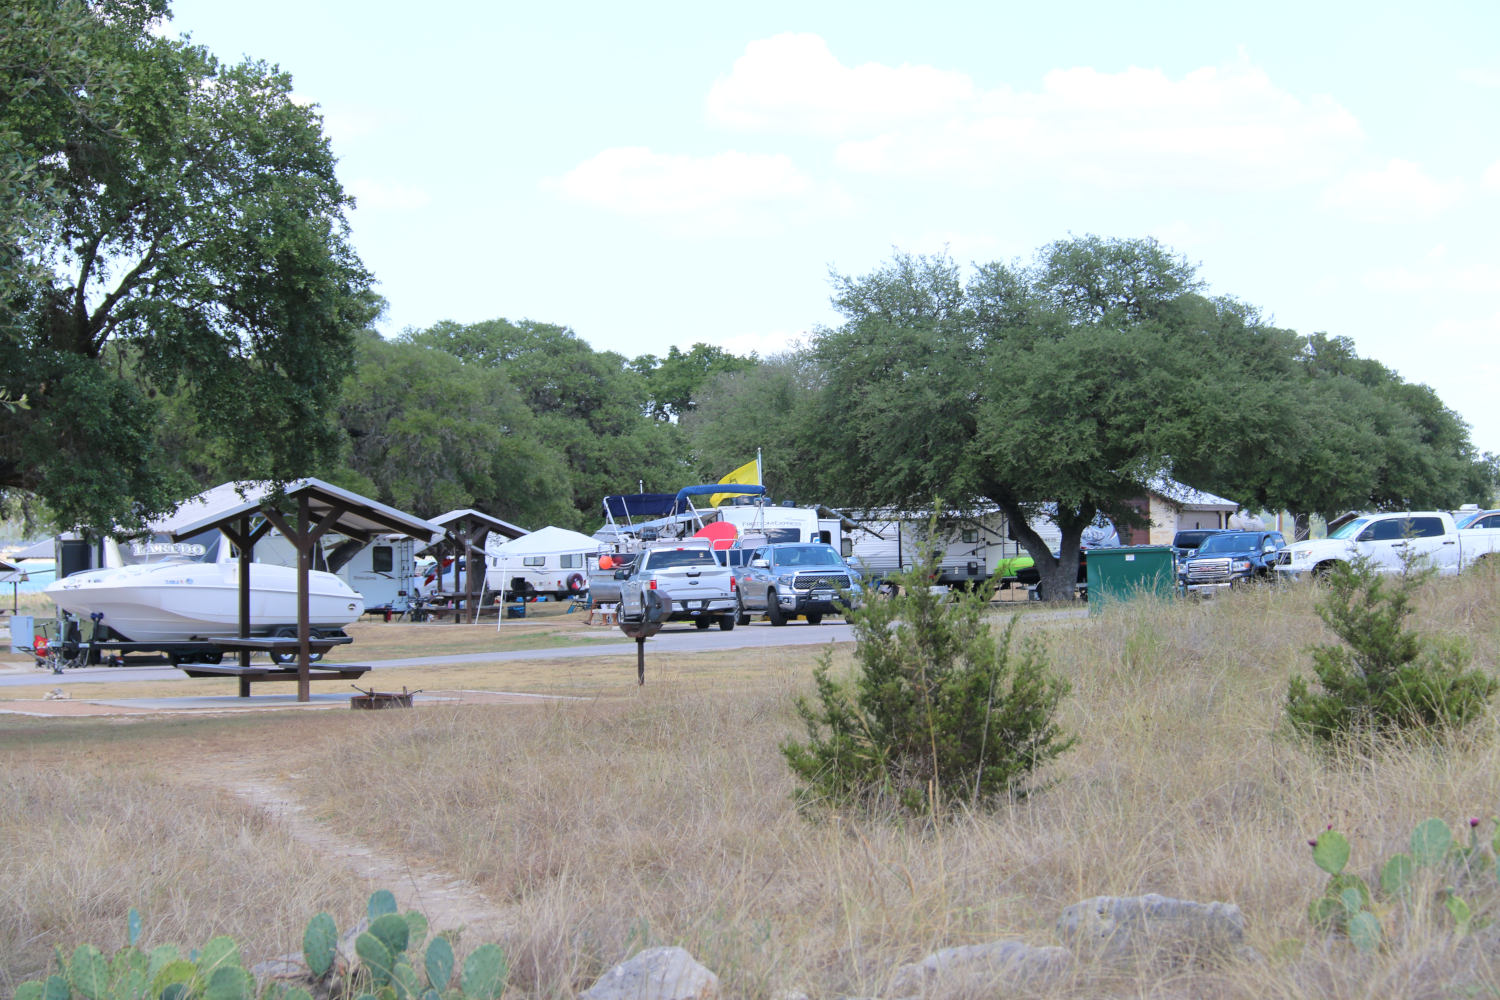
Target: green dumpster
{"type": "Point", "coordinates": [1123, 573]}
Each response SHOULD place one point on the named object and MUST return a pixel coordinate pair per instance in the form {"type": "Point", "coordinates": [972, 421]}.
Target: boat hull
{"type": "Point", "coordinates": [181, 602]}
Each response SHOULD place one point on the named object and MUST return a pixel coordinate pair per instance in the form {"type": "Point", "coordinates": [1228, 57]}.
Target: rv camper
{"type": "Point", "coordinates": [551, 562]}
{"type": "Point", "coordinates": [970, 548]}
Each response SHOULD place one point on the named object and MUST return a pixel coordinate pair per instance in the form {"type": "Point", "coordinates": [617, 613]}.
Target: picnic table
{"type": "Point", "coordinates": [276, 647]}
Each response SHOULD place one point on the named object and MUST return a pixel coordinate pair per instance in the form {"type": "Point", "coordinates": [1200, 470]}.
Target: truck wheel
{"type": "Point", "coordinates": [815, 618]}
{"type": "Point", "coordinates": [773, 610]}
{"type": "Point", "coordinates": [742, 617]}
{"type": "Point", "coordinates": [726, 623]}
{"type": "Point", "coordinates": [701, 623]}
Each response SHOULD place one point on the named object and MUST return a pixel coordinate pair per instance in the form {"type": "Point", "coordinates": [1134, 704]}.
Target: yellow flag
{"type": "Point", "coordinates": [746, 475]}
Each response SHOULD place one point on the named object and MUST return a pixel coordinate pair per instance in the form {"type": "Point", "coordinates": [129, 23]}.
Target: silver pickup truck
{"type": "Point", "coordinates": [697, 587]}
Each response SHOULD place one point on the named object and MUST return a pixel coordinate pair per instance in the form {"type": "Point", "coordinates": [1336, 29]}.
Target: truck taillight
{"type": "Point", "coordinates": [653, 585]}
{"type": "Point", "coordinates": [734, 584]}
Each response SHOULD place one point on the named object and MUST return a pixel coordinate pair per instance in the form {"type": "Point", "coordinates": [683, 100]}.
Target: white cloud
{"type": "Point", "coordinates": [765, 343]}
{"type": "Point", "coordinates": [1400, 192]}
{"type": "Point", "coordinates": [1223, 127]}
{"type": "Point", "coordinates": [387, 196]}
{"type": "Point", "coordinates": [960, 246]}
{"type": "Point", "coordinates": [730, 190]}
{"type": "Point", "coordinates": [1491, 179]}
{"type": "Point", "coordinates": [793, 83]}
{"type": "Point", "coordinates": [1480, 77]}
{"type": "Point", "coordinates": [1438, 271]}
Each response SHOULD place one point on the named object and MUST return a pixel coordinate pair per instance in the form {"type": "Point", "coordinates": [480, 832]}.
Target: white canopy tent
{"type": "Point", "coordinates": [505, 558]}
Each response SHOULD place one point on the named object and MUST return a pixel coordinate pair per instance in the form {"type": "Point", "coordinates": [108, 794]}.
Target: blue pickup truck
{"type": "Point", "coordinates": [1228, 558]}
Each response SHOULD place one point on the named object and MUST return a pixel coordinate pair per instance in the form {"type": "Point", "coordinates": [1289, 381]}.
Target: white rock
{"type": "Point", "coordinates": [968, 968]}
{"type": "Point", "coordinates": [665, 973]}
{"type": "Point", "coordinates": [1118, 927]}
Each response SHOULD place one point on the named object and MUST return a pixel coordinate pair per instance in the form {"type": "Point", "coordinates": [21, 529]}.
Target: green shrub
{"type": "Point", "coordinates": [1385, 679]}
{"type": "Point", "coordinates": [940, 710]}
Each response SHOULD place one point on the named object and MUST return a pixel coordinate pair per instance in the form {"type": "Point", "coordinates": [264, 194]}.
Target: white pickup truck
{"type": "Point", "coordinates": [1388, 541]}
{"type": "Point", "coordinates": [697, 587]}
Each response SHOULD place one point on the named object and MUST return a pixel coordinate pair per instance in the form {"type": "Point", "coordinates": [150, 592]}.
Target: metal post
{"type": "Point", "coordinates": [640, 660]}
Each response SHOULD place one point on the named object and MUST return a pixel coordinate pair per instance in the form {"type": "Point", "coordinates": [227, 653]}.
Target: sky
{"type": "Point", "coordinates": [665, 174]}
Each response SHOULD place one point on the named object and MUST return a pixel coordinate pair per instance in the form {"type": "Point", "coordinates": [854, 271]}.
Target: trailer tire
{"type": "Point", "coordinates": [285, 659]}
{"type": "Point", "coordinates": [726, 623]}
{"type": "Point", "coordinates": [702, 624]}
{"type": "Point", "coordinates": [814, 618]}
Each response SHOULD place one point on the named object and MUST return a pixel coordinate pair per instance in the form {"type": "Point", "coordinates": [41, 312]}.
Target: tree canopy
{"type": "Point", "coordinates": [173, 228]}
{"type": "Point", "coordinates": [1059, 388]}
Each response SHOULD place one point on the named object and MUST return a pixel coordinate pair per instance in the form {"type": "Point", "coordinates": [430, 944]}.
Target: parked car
{"type": "Point", "coordinates": [1186, 541]}
{"type": "Point", "coordinates": [1390, 541]}
{"type": "Point", "coordinates": [1227, 558]}
{"type": "Point", "coordinates": [1479, 520]}
{"type": "Point", "coordinates": [788, 579]}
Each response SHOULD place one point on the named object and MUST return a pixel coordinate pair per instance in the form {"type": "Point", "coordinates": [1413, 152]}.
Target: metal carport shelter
{"type": "Point", "coordinates": [317, 508]}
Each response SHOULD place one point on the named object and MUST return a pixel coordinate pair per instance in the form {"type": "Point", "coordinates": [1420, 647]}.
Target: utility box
{"type": "Point", "coordinates": [1123, 573]}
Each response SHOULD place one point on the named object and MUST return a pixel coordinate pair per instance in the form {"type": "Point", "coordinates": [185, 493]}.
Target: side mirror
{"type": "Point", "coordinates": [760, 564]}
{"type": "Point", "coordinates": [1368, 535]}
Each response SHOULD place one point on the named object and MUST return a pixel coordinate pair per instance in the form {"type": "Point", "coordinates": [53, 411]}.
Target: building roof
{"type": "Point", "coordinates": [1187, 496]}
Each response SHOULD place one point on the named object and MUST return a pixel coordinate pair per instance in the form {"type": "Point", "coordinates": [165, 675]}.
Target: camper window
{"type": "Point", "coordinates": [382, 559]}
{"type": "Point", "coordinates": [534, 561]}
{"type": "Point", "coordinates": [573, 560]}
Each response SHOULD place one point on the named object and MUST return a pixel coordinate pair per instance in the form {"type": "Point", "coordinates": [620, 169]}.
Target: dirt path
{"type": "Point", "coordinates": [445, 900]}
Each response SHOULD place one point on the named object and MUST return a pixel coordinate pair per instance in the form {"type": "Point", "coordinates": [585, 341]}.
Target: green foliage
{"type": "Point", "coordinates": [1348, 907]}
{"type": "Point", "coordinates": [587, 408]}
{"type": "Point", "coordinates": [178, 231]}
{"type": "Point", "coordinates": [1385, 679]}
{"type": "Point", "coordinates": [387, 969]}
{"type": "Point", "coordinates": [940, 710]}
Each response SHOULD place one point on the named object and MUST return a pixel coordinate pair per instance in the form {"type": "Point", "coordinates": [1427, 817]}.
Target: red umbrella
{"type": "Point", "coordinates": [721, 533]}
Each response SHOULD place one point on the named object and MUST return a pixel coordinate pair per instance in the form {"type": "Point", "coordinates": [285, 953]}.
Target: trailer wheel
{"type": "Point", "coordinates": [288, 632]}
{"type": "Point", "coordinates": [702, 623]}
{"type": "Point", "coordinates": [814, 618]}
{"type": "Point", "coordinates": [726, 623]}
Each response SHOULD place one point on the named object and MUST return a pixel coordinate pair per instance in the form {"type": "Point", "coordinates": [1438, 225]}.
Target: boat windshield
{"type": "Point", "coordinates": [202, 547]}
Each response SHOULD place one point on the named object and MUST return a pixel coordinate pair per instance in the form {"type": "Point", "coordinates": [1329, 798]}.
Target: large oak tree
{"type": "Point", "coordinates": [173, 227]}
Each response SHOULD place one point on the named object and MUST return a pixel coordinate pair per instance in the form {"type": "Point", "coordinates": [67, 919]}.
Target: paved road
{"type": "Point", "coordinates": [673, 639]}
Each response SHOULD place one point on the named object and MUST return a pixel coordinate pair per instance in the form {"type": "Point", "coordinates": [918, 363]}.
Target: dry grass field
{"type": "Point", "coordinates": [623, 817]}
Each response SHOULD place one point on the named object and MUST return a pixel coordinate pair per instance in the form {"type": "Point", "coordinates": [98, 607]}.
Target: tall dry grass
{"type": "Point", "coordinates": [665, 816]}
{"type": "Point", "coordinates": [607, 826]}
{"type": "Point", "coordinates": [84, 839]}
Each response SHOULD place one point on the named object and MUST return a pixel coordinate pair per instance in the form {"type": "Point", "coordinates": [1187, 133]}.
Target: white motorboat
{"type": "Point", "coordinates": [181, 600]}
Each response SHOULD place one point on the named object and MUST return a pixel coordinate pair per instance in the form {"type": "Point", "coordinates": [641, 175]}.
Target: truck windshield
{"type": "Point", "coordinates": [1233, 542]}
{"type": "Point", "coordinates": [812, 555]}
{"type": "Point", "coordinates": [682, 557]}
{"type": "Point", "coordinates": [1351, 529]}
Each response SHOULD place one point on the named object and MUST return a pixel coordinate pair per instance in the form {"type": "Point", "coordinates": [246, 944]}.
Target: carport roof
{"type": "Point", "coordinates": [356, 515]}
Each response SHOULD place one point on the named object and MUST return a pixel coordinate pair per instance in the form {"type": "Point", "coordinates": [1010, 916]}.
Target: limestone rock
{"type": "Point", "coordinates": [665, 973]}
{"type": "Point", "coordinates": [968, 968]}
{"type": "Point", "coordinates": [1176, 931]}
